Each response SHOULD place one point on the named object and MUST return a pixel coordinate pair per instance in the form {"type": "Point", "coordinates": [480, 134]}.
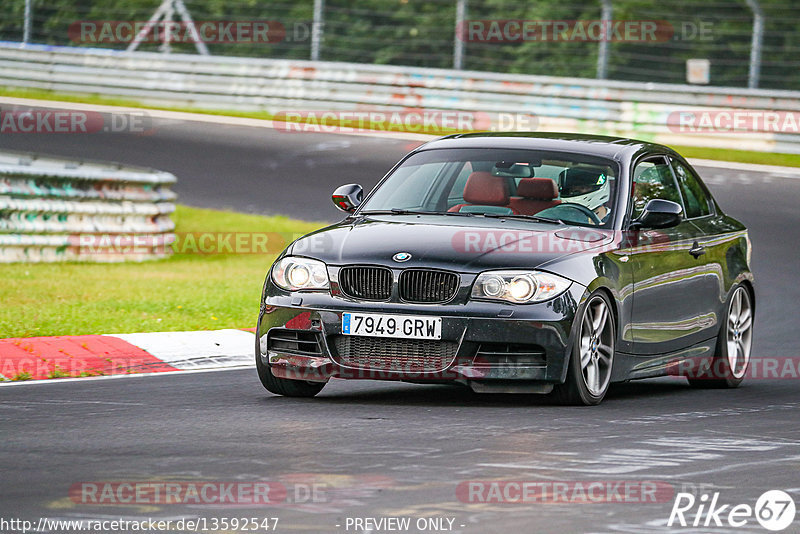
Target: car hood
{"type": "Point", "coordinates": [447, 243]}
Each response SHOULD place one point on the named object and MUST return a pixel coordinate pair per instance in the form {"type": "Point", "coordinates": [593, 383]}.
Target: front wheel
{"type": "Point", "coordinates": [592, 355]}
{"type": "Point", "coordinates": [734, 341]}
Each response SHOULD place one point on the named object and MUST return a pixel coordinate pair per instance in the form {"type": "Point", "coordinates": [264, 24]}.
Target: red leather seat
{"type": "Point", "coordinates": [483, 189]}
{"type": "Point", "coordinates": [534, 195]}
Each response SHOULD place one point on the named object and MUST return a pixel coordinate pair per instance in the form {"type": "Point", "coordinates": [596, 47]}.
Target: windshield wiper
{"type": "Point", "coordinates": [526, 217]}
{"type": "Point", "coordinates": [400, 211]}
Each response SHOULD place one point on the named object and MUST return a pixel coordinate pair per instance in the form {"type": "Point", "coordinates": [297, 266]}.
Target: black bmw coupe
{"type": "Point", "coordinates": [511, 263]}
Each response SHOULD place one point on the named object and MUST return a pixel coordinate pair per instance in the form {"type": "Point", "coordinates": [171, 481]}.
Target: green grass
{"type": "Point", "coordinates": [183, 292]}
{"type": "Point", "coordinates": [57, 372]}
{"type": "Point", "coordinates": [739, 156]}
{"type": "Point", "coordinates": [101, 100]}
{"type": "Point", "coordinates": [722, 154]}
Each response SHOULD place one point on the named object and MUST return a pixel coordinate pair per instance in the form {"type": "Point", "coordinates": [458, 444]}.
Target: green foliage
{"type": "Point", "coordinates": [58, 372]}
{"type": "Point", "coordinates": [422, 33]}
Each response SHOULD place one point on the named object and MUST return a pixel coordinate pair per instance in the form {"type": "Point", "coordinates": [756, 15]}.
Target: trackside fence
{"type": "Point", "coordinates": [750, 119]}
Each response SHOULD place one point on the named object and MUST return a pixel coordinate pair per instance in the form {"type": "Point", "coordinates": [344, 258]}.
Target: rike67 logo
{"type": "Point", "coordinates": [774, 510]}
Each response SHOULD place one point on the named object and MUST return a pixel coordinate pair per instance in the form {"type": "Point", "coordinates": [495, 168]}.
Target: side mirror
{"type": "Point", "coordinates": [659, 213]}
{"type": "Point", "coordinates": [348, 197]}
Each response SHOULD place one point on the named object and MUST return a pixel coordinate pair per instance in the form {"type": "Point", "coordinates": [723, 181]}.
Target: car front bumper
{"type": "Point", "coordinates": [498, 347]}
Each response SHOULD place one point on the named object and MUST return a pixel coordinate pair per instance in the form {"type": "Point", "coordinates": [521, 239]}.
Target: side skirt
{"type": "Point", "coordinates": [678, 363]}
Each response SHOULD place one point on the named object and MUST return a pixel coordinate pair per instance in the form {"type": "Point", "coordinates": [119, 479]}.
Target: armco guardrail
{"type": "Point", "coordinates": [56, 210]}
{"type": "Point", "coordinates": [648, 111]}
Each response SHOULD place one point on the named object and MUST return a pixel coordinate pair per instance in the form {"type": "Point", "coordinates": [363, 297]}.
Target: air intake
{"type": "Point", "coordinates": [409, 356]}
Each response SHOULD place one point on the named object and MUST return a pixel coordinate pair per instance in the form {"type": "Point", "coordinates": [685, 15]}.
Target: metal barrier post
{"type": "Point", "coordinates": [602, 48]}
{"type": "Point", "coordinates": [755, 45]}
{"type": "Point", "coordinates": [26, 31]}
{"type": "Point", "coordinates": [187, 19]}
{"type": "Point", "coordinates": [316, 28]}
{"type": "Point", "coordinates": [458, 42]}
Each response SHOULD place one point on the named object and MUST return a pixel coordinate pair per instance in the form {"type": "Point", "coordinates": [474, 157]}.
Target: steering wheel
{"type": "Point", "coordinates": [572, 206]}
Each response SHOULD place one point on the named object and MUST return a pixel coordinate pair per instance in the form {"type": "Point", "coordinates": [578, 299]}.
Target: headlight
{"type": "Point", "coordinates": [293, 273]}
{"type": "Point", "coordinates": [520, 287]}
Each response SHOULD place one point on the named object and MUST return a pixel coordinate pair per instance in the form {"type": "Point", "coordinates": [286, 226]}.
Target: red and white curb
{"type": "Point", "coordinates": [41, 358]}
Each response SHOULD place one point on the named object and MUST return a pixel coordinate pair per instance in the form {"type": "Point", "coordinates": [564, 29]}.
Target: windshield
{"type": "Point", "coordinates": [573, 188]}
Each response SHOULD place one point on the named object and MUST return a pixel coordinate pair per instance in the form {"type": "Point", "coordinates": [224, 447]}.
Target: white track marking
{"type": "Point", "coordinates": [197, 350]}
{"type": "Point", "coordinates": [117, 377]}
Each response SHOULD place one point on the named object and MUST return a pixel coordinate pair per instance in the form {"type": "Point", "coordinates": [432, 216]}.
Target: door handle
{"type": "Point", "coordinates": [697, 250]}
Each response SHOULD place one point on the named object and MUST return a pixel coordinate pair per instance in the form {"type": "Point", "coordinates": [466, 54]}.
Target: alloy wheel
{"type": "Point", "coordinates": [597, 346]}
{"type": "Point", "coordinates": [740, 332]}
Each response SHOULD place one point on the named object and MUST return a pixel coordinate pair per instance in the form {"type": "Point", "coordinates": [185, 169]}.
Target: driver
{"type": "Point", "coordinates": [594, 194]}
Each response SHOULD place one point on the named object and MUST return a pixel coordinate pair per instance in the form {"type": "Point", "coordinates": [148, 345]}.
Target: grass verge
{"type": "Point", "coordinates": [315, 121]}
{"type": "Point", "coordinates": [739, 156]}
{"type": "Point", "coordinates": [720, 154]}
{"type": "Point", "coordinates": [190, 291]}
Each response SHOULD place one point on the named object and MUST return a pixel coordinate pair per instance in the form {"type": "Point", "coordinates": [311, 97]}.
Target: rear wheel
{"type": "Point", "coordinates": [734, 341]}
{"type": "Point", "coordinates": [284, 386]}
{"type": "Point", "coordinates": [592, 355]}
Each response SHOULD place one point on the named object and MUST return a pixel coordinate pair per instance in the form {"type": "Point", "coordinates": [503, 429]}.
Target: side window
{"type": "Point", "coordinates": [695, 197]}
{"type": "Point", "coordinates": [652, 178]}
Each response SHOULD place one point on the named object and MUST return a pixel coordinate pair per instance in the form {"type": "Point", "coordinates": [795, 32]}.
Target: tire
{"type": "Point", "coordinates": [734, 344]}
{"type": "Point", "coordinates": [592, 356]}
{"type": "Point", "coordinates": [284, 386]}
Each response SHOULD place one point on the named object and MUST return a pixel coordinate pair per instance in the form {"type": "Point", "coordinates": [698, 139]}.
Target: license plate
{"type": "Point", "coordinates": [378, 325]}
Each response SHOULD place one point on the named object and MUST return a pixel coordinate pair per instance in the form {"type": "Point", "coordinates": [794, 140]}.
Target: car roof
{"type": "Point", "coordinates": [616, 148]}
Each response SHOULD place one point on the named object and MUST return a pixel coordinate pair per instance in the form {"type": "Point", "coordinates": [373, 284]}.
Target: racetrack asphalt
{"type": "Point", "coordinates": [386, 449]}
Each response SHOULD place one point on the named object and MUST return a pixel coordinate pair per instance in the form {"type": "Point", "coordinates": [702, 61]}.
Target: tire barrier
{"type": "Point", "coordinates": [61, 210]}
